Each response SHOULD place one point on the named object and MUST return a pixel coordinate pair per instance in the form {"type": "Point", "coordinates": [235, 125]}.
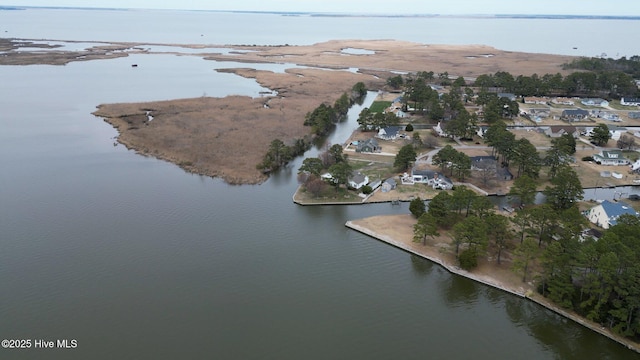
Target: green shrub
{"type": "Point", "coordinates": [366, 189]}
{"type": "Point", "coordinates": [417, 207]}
{"type": "Point", "coordinates": [468, 259]}
{"type": "Point", "coordinates": [409, 128]}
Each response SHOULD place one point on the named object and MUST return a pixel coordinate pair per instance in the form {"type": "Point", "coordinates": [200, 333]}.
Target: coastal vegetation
{"type": "Point", "coordinates": [610, 83]}
{"type": "Point", "coordinates": [547, 247]}
{"type": "Point", "coordinates": [321, 120]}
{"type": "Point", "coordinates": [630, 66]}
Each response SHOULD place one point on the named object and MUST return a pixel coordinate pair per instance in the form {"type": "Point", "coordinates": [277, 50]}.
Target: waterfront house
{"type": "Point", "coordinates": [389, 133]}
{"type": "Point", "coordinates": [489, 163]}
{"type": "Point", "coordinates": [358, 180]}
{"type": "Point", "coordinates": [368, 146]}
{"type": "Point", "coordinates": [610, 157]}
{"type": "Point", "coordinates": [630, 101]}
{"type": "Point", "coordinates": [574, 114]}
{"type": "Point", "coordinates": [432, 178]}
{"type": "Point", "coordinates": [607, 213]}
{"type": "Point", "coordinates": [388, 185]}
{"type": "Point", "coordinates": [594, 102]}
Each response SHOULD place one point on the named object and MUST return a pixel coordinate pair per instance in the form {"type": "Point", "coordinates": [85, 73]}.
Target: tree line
{"type": "Point", "coordinates": [606, 83]}
{"type": "Point", "coordinates": [321, 120]}
{"type": "Point", "coordinates": [629, 66]}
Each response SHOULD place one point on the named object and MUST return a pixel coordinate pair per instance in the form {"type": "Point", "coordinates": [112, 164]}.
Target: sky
{"type": "Point", "coordinates": [453, 7]}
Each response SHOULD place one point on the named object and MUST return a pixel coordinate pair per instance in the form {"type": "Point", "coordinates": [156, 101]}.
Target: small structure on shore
{"type": "Point", "coordinates": [388, 185]}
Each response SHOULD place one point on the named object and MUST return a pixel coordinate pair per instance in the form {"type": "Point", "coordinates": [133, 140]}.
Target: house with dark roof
{"type": "Point", "coordinates": [607, 213]}
{"type": "Point", "coordinates": [388, 185]}
{"type": "Point", "coordinates": [574, 114]}
{"type": "Point", "coordinates": [370, 145]}
{"type": "Point", "coordinates": [630, 101]}
{"type": "Point", "coordinates": [610, 157]}
{"type": "Point", "coordinates": [389, 133]}
{"type": "Point", "coordinates": [489, 163]}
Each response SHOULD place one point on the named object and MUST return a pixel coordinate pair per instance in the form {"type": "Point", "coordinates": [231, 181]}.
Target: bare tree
{"type": "Point", "coordinates": [430, 141]}
{"type": "Point", "coordinates": [486, 170]}
{"type": "Point", "coordinates": [315, 186]}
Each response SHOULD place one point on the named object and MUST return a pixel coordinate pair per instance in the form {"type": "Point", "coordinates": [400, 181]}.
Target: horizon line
{"type": "Point", "coordinates": [337, 14]}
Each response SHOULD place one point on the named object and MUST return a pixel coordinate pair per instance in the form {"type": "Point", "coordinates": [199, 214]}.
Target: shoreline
{"type": "Point", "coordinates": [447, 262]}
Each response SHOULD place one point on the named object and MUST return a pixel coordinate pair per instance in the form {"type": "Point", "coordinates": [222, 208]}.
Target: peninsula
{"type": "Point", "coordinates": [227, 137]}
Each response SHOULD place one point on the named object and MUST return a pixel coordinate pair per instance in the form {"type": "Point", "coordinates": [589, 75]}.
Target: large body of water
{"type": "Point", "coordinates": [137, 259]}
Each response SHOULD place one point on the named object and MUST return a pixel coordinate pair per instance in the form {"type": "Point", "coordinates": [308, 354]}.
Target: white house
{"type": "Point", "coordinates": [610, 157]}
{"type": "Point", "coordinates": [482, 130]}
{"type": "Point", "coordinates": [607, 213]}
{"type": "Point", "coordinates": [599, 114]}
{"type": "Point", "coordinates": [432, 178]}
{"type": "Point", "coordinates": [358, 180]}
{"type": "Point", "coordinates": [389, 133]}
{"type": "Point", "coordinates": [594, 102]}
{"type": "Point", "coordinates": [630, 101]}
{"type": "Point", "coordinates": [616, 131]}
{"type": "Point", "coordinates": [439, 131]}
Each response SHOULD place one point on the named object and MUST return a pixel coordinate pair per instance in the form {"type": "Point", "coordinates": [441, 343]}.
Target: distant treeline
{"type": "Point", "coordinates": [607, 83]}
{"type": "Point", "coordinates": [630, 66]}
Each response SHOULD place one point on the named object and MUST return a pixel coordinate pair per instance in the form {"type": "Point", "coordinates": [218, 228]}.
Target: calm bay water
{"type": "Point", "coordinates": [138, 260]}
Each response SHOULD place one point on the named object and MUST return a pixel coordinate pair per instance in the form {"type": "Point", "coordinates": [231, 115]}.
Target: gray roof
{"type": "Point", "coordinates": [391, 130]}
{"type": "Point", "coordinates": [575, 112]}
{"type": "Point", "coordinates": [357, 178]}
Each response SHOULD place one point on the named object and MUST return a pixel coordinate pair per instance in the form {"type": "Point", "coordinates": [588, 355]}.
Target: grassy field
{"type": "Point", "coordinates": [379, 106]}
